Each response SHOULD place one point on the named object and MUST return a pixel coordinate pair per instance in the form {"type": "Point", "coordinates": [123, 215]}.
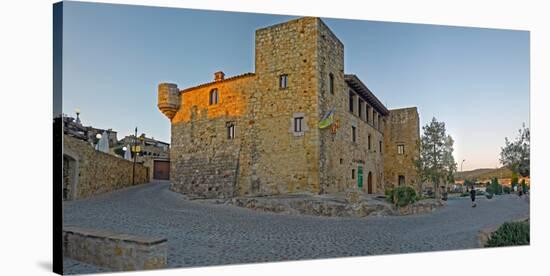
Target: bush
{"type": "Point", "coordinates": [506, 190]}
{"type": "Point", "coordinates": [523, 186]}
{"type": "Point", "coordinates": [465, 194]}
{"type": "Point", "coordinates": [494, 187]}
{"type": "Point", "coordinates": [514, 180]}
{"type": "Point", "coordinates": [510, 233]}
{"type": "Point", "coordinates": [489, 196]}
{"type": "Point", "coordinates": [401, 196]}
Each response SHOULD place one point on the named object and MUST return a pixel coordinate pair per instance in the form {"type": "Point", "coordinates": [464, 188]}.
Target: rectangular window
{"type": "Point", "coordinates": [213, 99]}
{"type": "Point", "coordinates": [283, 81]}
{"type": "Point", "coordinates": [353, 134]}
{"type": "Point", "coordinates": [351, 101]}
{"type": "Point", "coordinates": [352, 173]}
{"type": "Point", "coordinates": [368, 113]}
{"type": "Point", "coordinates": [400, 149]}
{"type": "Point", "coordinates": [298, 124]}
{"type": "Point", "coordinates": [369, 142]}
{"type": "Point", "coordinates": [331, 83]}
{"type": "Point", "coordinates": [380, 146]}
{"type": "Point", "coordinates": [360, 108]}
{"type": "Point", "coordinates": [231, 131]}
{"type": "Point", "coordinates": [375, 119]}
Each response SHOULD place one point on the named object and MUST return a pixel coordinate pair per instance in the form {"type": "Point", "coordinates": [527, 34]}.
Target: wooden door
{"type": "Point", "coordinates": [161, 170]}
{"type": "Point", "coordinates": [369, 183]}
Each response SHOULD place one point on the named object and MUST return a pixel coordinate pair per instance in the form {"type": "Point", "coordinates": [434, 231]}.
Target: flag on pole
{"type": "Point", "coordinates": [327, 120]}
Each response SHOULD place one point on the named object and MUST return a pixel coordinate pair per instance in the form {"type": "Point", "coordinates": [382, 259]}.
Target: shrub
{"type": "Point", "coordinates": [523, 186]}
{"type": "Point", "coordinates": [401, 196]}
{"type": "Point", "coordinates": [506, 190]}
{"type": "Point", "coordinates": [494, 187]}
{"type": "Point", "coordinates": [510, 233]}
{"type": "Point", "coordinates": [514, 179]}
{"type": "Point", "coordinates": [464, 194]}
{"type": "Point", "coordinates": [489, 196]}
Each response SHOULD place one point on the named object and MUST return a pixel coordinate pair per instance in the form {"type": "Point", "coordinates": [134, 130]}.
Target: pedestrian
{"type": "Point", "coordinates": [473, 196]}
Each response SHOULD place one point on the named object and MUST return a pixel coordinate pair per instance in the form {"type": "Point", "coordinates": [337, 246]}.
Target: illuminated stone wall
{"type": "Point", "coordinates": [402, 129]}
{"type": "Point", "coordinates": [266, 157]}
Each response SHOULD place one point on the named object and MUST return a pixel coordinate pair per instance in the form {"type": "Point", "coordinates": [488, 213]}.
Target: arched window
{"type": "Point", "coordinates": [213, 99]}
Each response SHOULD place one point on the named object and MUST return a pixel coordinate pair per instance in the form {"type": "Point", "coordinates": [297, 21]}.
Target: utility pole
{"type": "Point", "coordinates": [135, 155]}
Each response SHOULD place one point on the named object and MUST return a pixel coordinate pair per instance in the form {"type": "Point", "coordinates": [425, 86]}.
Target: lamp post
{"type": "Point", "coordinates": [135, 155]}
{"type": "Point", "coordinates": [462, 163]}
{"type": "Point", "coordinates": [98, 137]}
{"type": "Point", "coordinates": [77, 111]}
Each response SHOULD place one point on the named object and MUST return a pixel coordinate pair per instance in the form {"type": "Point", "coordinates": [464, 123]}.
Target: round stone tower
{"type": "Point", "coordinates": [168, 99]}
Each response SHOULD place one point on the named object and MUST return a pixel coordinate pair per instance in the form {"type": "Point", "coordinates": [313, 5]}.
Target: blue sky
{"type": "Point", "coordinates": [475, 80]}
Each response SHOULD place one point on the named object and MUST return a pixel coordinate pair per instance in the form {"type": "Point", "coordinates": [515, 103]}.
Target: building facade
{"type": "Point", "coordinates": [259, 134]}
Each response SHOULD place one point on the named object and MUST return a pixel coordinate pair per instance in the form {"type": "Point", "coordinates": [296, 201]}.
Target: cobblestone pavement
{"type": "Point", "coordinates": [201, 234]}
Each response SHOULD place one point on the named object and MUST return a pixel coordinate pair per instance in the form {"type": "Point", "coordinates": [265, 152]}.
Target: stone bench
{"type": "Point", "coordinates": [116, 251]}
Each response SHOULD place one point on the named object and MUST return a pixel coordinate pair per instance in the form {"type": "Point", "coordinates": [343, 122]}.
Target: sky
{"type": "Point", "coordinates": [475, 80]}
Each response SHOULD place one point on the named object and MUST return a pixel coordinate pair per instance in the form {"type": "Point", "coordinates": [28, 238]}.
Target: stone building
{"type": "Point", "coordinates": [150, 147]}
{"type": "Point", "coordinates": [259, 133]}
{"type": "Point", "coordinates": [74, 128]}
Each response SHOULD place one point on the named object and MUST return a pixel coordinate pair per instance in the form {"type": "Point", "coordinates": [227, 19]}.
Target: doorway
{"type": "Point", "coordinates": [369, 183]}
{"type": "Point", "coordinates": [401, 180]}
{"type": "Point", "coordinates": [360, 177]}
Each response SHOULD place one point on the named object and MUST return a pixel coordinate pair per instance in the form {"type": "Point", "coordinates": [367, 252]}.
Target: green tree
{"type": "Point", "coordinates": [514, 180]}
{"type": "Point", "coordinates": [436, 163]}
{"type": "Point", "coordinates": [516, 154]}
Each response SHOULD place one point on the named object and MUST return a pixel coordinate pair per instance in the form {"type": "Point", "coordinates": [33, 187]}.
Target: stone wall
{"type": "Point", "coordinates": [91, 172]}
{"type": "Point", "coordinates": [119, 252]}
{"type": "Point", "coordinates": [266, 157]}
{"type": "Point", "coordinates": [402, 128]}
{"type": "Point", "coordinates": [341, 159]}
{"type": "Point", "coordinates": [204, 160]}
{"type": "Point", "coordinates": [280, 161]}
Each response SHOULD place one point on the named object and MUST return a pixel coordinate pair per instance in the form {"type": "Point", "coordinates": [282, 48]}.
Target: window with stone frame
{"type": "Point", "coordinates": [230, 130]}
{"type": "Point", "coordinates": [380, 146]}
{"type": "Point", "coordinates": [331, 83]}
{"type": "Point", "coordinates": [298, 121]}
{"type": "Point", "coordinates": [298, 125]}
{"type": "Point", "coordinates": [369, 142]}
{"type": "Point", "coordinates": [367, 111]}
{"type": "Point", "coordinates": [283, 81]}
{"type": "Point", "coordinates": [360, 108]}
{"type": "Point", "coordinates": [213, 97]}
{"type": "Point", "coordinates": [351, 96]}
{"type": "Point", "coordinates": [352, 173]}
{"type": "Point", "coordinates": [353, 134]}
{"type": "Point", "coordinates": [400, 149]}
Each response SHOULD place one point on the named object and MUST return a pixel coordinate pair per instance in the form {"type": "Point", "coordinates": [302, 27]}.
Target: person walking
{"type": "Point", "coordinates": [473, 196]}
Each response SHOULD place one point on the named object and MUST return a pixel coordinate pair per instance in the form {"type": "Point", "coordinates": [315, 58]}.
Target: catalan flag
{"type": "Point", "coordinates": [327, 120]}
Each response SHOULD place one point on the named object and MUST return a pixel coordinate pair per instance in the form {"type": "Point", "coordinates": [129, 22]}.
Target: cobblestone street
{"type": "Point", "coordinates": [201, 234]}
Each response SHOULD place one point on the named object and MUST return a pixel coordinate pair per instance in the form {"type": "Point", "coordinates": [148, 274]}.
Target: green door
{"type": "Point", "coordinates": [360, 176]}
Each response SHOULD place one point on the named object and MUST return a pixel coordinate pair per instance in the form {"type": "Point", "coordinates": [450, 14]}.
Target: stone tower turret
{"type": "Point", "coordinates": [168, 99]}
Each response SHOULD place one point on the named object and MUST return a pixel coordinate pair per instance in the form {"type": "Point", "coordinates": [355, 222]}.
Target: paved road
{"type": "Point", "coordinates": [201, 234]}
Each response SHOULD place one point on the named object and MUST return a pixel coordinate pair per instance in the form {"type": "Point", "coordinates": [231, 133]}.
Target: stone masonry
{"type": "Point", "coordinates": [402, 131]}
{"type": "Point", "coordinates": [88, 172]}
{"type": "Point", "coordinates": [258, 133]}
{"type": "Point", "coordinates": [119, 252]}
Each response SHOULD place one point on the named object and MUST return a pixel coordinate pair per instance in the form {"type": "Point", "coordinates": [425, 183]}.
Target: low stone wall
{"type": "Point", "coordinates": [94, 172]}
{"type": "Point", "coordinates": [332, 206]}
{"type": "Point", "coordinates": [119, 252]}
{"type": "Point", "coordinates": [423, 206]}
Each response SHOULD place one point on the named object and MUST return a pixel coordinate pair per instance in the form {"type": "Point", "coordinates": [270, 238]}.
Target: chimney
{"type": "Point", "coordinates": [218, 76]}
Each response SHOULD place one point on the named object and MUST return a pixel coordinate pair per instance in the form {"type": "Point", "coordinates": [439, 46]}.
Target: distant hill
{"type": "Point", "coordinates": [480, 174]}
